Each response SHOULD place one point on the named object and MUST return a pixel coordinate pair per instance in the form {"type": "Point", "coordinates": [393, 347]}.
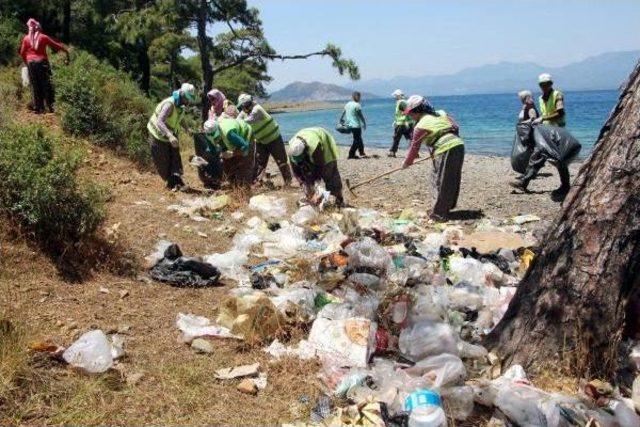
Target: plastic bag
{"type": "Point", "coordinates": [367, 253]}
{"type": "Point", "coordinates": [304, 215]}
{"type": "Point", "coordinates": [368, 280]}
{"type": "Point", "coordinates": [431, 304]}
{"type": "Point", "coordinates": [301, 297]}
{"type": "Point", "coordinates": [347, 342]}
{"type": "Point", "coordinates": [427, 338]}
{"type": "Point", "coordinates": [230, 264]}
{"type": "Point", "coordinates": [522, 147]}
{"type": "Point", "coordinates": [519, 403]}
{"type": "Point", "coordinates": [252, 316]}
{"type": "Point", "coordinates": [285, 242]}
{"type": "Point", "coordinates": [556, 142]}
{"type": "Point", "coordinates": [91, 352]}
{"type": "Point", "coordinates": [442, 370]}
{"type": "Point", "coordinates": [467, 270]}
{"type": "Point", "coordinates": [193, 327]}
{"type": "Point", "coordinates": [269, 206]}
{"type": "Point", "coordinates": [459, 401]}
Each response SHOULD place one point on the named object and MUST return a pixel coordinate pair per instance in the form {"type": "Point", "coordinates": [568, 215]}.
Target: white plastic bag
{"type": "Point", "coordinates": [367, 253]}
{"type": "Point", "coordinates": [346, 342]}
{"type": "Point", "coordinates": [442, 370]}
{"type": "Point", "coordinates": [193, 327]}
{"type": "Point", "coordinates": [304, 215]}
{"type": "Point", "coordinates": [427, 338]}
{"type": "Point", "coordinates": [459, 401]}
{"type": "Point", "coordinates": [269, 206]}
{"type": "Point", "coordinates": [91, 352]}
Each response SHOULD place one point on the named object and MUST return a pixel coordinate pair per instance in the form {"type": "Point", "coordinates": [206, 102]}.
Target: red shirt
{"type": "Point", "coordinates": [28, 53]}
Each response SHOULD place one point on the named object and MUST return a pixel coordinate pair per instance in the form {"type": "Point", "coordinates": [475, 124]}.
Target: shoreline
{"type": "Point", "coordinates": [299, 107]}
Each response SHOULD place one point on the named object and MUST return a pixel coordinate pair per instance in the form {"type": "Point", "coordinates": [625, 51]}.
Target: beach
{"type": "Point", "coordinates": [484, 190]}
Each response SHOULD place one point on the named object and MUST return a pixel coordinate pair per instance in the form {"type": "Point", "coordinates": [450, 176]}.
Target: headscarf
{"type": "Point", "coordinates": [217, 99]}
{"type": "Point", "coordinates": [34, 32]}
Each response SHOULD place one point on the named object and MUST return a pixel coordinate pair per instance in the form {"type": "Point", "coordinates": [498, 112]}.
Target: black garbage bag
{"type": "Point", "coordinates": [210, 174]}
{"type": "Point", "coordinates": [522, 147]}
{"type": "Point", "coordinates": [557, 143]}
{"type": "Point", "coordinates": [187, 272]}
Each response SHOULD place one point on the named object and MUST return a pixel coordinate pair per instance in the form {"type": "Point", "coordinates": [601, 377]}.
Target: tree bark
{"type": "Point", "coordinates": [205, 60]}
{"type": "Point", "coordinates": [571, 305]}
{"type": "Point", "coordinates": [145, 65]}
{"type": "Point", "coordinates": [66, 22]}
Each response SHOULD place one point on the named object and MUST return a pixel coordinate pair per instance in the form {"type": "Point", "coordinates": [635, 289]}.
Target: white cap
{"type": "Point", "coordinates": [397, 92]}
{"type": "Point", "coordinates": [210, 126]}
{"type": "Point", "coordinates": [296, 147]}
{"type": "Point", "coordinates": [244, 98]}
{"type": "Point", "coordinates": [545, 78]}
{"type": "Point", "coordinates": [189, 91]}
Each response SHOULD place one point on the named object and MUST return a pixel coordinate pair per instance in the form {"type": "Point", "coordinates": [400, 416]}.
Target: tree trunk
{"type": "Point", "coordinates": [571, 305]}
{"type": "Point", "coordinates": [205, 60]}
{"type": "Point", "coordinates": [145, 65]}
{"type": "Point", "coordinates": [66, 21]}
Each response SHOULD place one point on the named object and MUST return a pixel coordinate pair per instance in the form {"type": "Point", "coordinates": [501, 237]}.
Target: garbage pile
{"type": "Point", "coordinates": [395, 310]}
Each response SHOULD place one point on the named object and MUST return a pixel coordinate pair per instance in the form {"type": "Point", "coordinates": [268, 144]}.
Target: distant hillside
{"type": "Point", "coordinates": [605, 71]}
{"type": "Point", "coordinates": [314, 91]}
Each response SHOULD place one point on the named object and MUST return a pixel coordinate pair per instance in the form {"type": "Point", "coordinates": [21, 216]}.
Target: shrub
{"type": "Point", "coordinates": [39, 188]}
{"type": "Point", "coordinates": [11, 92]}
{"type": "Point", "coordinates": [104, 104]}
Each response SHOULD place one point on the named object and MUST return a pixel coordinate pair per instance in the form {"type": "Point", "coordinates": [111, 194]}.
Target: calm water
{"type": "Point", "coordinates": [486, 121]}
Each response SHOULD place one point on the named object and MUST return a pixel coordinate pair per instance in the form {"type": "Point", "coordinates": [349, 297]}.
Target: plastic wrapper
{"type": "Point", "coordinates": [193, 327]}
{"type": "Point", "coordinates": [302, 297]}
{"type": "Point", "coordinates": [91, 353]}
{"type": "Point", "coordinates": [427, 338]}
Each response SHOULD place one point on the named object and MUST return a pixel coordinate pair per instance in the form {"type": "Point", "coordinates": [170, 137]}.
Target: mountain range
{"type": "Point", "coordinates": [313, 91]}
{"type": "Point", "coordinates": [604, 71]}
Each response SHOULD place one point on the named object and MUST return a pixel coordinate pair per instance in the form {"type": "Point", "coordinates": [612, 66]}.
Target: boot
{"type": "Point", "coordinates": [519, 184]}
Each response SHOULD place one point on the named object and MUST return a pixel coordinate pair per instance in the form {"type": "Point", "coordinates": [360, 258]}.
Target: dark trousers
{"type": "Point", "coordinates": [447, 175]}
{"type": "Point", "coordinates": [398, 133]}
{"type": "Point", "coordinates": [167, 160]}
{"type": "Point", "coordinates": [358, 144]}
{"type": "Point", "coordinates": [333, 181]}
{"type": "Point", "coordinates": [211, 174]}
{"type": "Point", "coordinates": [239, 169]}
{"type": "Point", "coordinates": [276, 150]}
{"type": "Point", "coordinates": [41, 86]}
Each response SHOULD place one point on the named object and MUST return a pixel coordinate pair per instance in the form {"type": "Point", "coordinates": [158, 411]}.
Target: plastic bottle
{"type": "Point", "coordinates": [425, 409]}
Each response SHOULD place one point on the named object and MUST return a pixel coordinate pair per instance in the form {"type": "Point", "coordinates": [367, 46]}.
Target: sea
{"type": "Point", "coordinates": [487, 122]}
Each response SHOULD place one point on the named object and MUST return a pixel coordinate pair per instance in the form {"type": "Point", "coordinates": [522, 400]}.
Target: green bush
{"type": "Point", "coordinates": [40, 190]}
{"type": "Point", "coordinates": [10, 38]}
{"type": "Point", "coordinates": [104, 104]}
{"type": "Point", "coordinates": [11, 93]}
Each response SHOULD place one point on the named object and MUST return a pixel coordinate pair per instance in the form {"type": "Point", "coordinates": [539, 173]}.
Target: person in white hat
{"type": "Point", "coordinates": [441, 134]}
{"type": "Point", "coordinates": [266, 132]}
{"type": "Point", "coordinates": [402, 124]}
{"type": "Point", "coordinates": [551, 103]}
{"type": "Point", "coordinates": [163, 127]}
{"type": "Point", "coordinates": [313, 154]}
{"type": "Point", "coordinates": [528, 113]}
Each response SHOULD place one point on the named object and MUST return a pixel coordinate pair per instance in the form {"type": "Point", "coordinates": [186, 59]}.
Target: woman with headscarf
{"type": "Point", "coordinates": [440, 133]}
{"type": "Point", "coordinates": [33, 51]}
{"type": "Point", "coordinates": [218, 104]}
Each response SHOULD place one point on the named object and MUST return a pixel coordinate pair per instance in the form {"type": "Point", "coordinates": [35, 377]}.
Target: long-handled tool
{"type": "Point", "coordinates": [360, 184]}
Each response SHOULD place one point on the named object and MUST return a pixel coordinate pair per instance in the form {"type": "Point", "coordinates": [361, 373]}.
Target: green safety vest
{"type": "Point", "coordinates": [400, 119]}
{"type": "Point", "coordinates": [227, 125]}
{"type": "Point", "coordinates": [549, 107]}
{"type": "Point", "coordinates": [440, 136]}
{"type": "Point", "coordinates": [318, 138]}
{"type": "Point", "coordinates": [173, 122]}
{"type": "Point", "coordinates": [265, 130]}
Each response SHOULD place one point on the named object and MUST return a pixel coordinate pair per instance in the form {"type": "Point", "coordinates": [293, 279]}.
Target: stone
{"type": "Point", "coordinates": [201, 345]}
{"type": "Point", "coordinates": [247, 386]}
{"type": "Point", "coordinates": [237, 372]}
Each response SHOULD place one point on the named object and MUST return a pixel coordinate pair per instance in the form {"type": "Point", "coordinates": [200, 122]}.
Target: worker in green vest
{"type": "Point", "coordinates": [266, 132]}
{"type": "Point", "coordinates": [551, 103]}
{"type": "Point", "coordinates": [163, 127]}
{"type": "Point", "coordinates": [234, 140]}
{"type": "Point", "coordinates": [314, 156]}
{"type": "Point", "coordinates": [402, 124]}
{"type": "Point", "coordinates": [441, 134]}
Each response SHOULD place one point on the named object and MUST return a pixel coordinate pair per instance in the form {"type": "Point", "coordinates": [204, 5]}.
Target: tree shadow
{"type": "Point", "coordinates": [465, 215]}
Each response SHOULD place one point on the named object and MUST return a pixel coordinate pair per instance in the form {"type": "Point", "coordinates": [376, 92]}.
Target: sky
{"type": "Point", "coordinates": [423, 37]}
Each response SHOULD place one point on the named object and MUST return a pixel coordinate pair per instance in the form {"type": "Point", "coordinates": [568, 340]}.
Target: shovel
{"type": "Point", "coordinates": [370, 180]}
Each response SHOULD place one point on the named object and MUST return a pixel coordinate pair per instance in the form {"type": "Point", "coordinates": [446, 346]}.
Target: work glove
{"type": "Point", "coordinates": [173, 141]}
{"type": "Point", "coordinates": [537, 121]}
